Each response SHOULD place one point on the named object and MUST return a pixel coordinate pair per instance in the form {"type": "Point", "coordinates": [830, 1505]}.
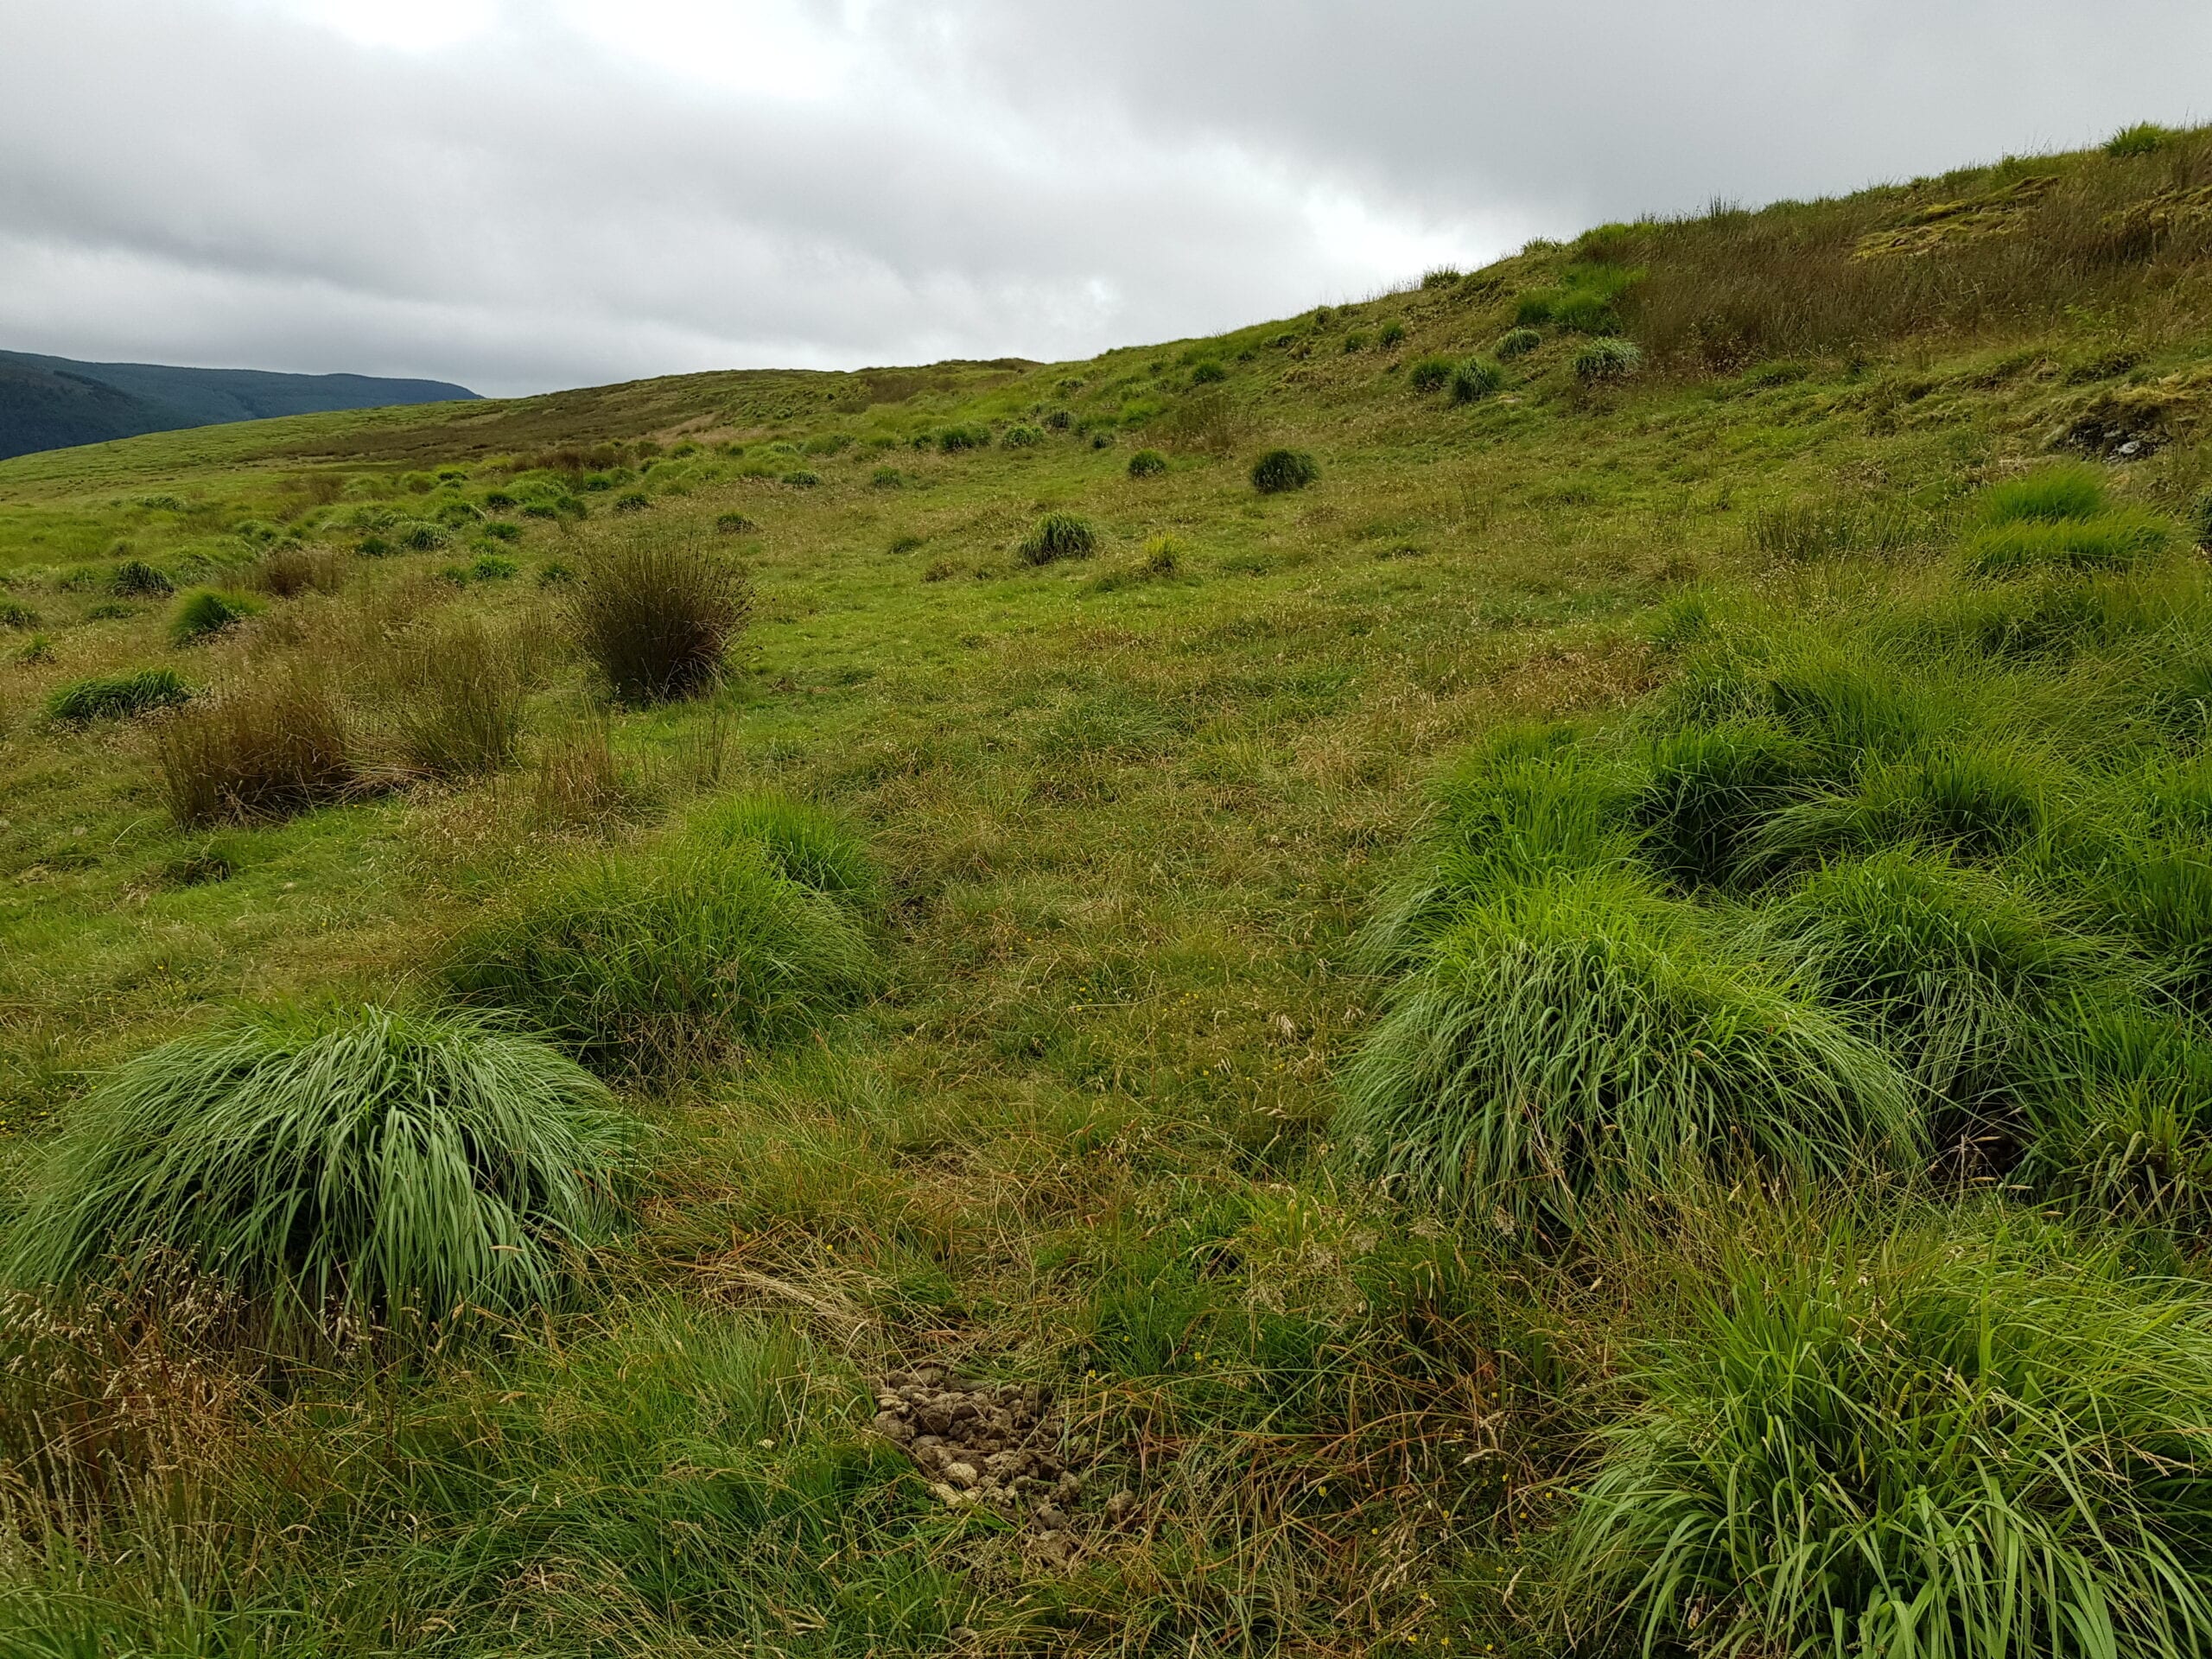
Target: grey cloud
{"type": "Point", "coordinates": [201, 181]}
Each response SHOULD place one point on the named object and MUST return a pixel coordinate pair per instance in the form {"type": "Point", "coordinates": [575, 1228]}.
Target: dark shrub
{"type": "Point", "coordinates": [954, 439]}
{"type": "Point", "coordinates": [735, 524]}
{"type": "Point", "coordinates": [115, 697]}
{"type": "Point", "coordinates": [1207, 371]}
{"type": "Point", "coordinates": [1058, 535]}
{"type": "Point", "coordinates": [888, 477]}
{"type": "Point", "coordinates": [1023, 437]}
{"type": "Point", "coordinates": [1518, 342]}
{"type": "Point", "coordinates": [1284, 469]}
{"type": "Point", "coordinates": [372, 546]}
{"type": "Point", "coordinates": [657, 614]}
{"type": "Point", "coordinates": [1148, 463]}
{"type": "Point", "coordinates": [802, 479]}
{"type": "Point", "coordinates": [1392, 334]}
{"type": "Point", "coordinates": [634, 501]}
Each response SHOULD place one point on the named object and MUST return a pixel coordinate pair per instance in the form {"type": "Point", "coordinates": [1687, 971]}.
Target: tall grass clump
{"type": "Point", "coordinates": [291, 570]}
{"type": "Point", "coordinates": [1475, 379]}
{"type": "Point", "coordinates": [1058, 535]}
{"type": "Point", "coordinates": [204, 613]}
{"type": "Point", "coordinates": [1955, 970]}
{"type": "Point", "coordinates": [461, 710]}
{"type": "Point", "coordinates": [1148, 463]}
{"type": "Point", "coordinates": [2048, 495]}
{"type": "Point", "coordinates": [279, 744]}
{"type": "Point", "coordinates": [2115, 1104]}
{"type": "Point", "coordinates": [366, 1167]}
{"type": "Point", "coordinates": [658, 613]}
{"type": "Point", "coordinates": [118, 696]}
{"type": "Point", "coordinates": [1607, 357]}
{"type": "Point", "coordinates": [1516, 343]}
{"type": "Point", "coordinates": [653, 961]}
{"type": "Point", "coordinates": [135, 579]}
{"type": "Point", "coordinates": [1282, 470]}
{"type": "Point", "coordinates": [1430, 374]}
{"type": "Point", "coordinates": [1582, 1036]}
{"type": "Point", "coordinates": [2115, 540]}
{"type": "Point", "coordinates": [803, 842]}
{"type": "Point", "coordinates": [1975, 1440]}
{"type": "Point", "coordinates": [1532, 801]}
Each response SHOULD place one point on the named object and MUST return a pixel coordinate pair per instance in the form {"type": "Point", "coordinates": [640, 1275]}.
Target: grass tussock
{"type": "Point", "coordinates": [1984, 1440]}
{"type": "Point", "coordinates": [1579, 1037]}
{"type": "Point", "coordinates": [657, 614]}
{"type": "Point", "coordinates": [1280, 470]}
{"type": "Point", "coordinates": [205, 612]}
{"type": "Point", "coordinates": [287, 572]}
{"type": "Point", "coordinates": [654, 961]}
{"type": "Point", "coordinates": [462, 704]}
{"type": "Point", "coordinates": [116, 697]}
{"type": "Point", "coordinates": [352, 1169]}
{"type": "Point", "coordinates": [1058, 535]}
{"type": "Point", "coordinates": [275, 744]}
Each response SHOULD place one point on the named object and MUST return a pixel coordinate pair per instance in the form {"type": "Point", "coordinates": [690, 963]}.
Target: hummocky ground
{"type": "Point", "coordinates": [1074, 1163]}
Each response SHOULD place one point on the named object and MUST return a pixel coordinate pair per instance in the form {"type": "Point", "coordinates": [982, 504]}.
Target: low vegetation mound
{"type": "Point", "coordinates": [715, 941]}
{"type": "Point", "coordinates": [1282, 470]}
{"type": "Point", "coordinates": [116, 697]}
{"type": "Point", "coordinates": [350, 1169]}
{"type": "Point", "coordinates": [204, 613]}
{"type": "Point", "coordinates": [1058, 535]}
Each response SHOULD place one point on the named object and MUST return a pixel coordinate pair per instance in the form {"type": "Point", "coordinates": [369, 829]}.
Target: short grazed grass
{"type": "Point", "coordinates": [989, 947]}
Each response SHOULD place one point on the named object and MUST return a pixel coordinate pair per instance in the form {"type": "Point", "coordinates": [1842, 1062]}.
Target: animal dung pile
{"type": "Point", "coordinates": [998, 1446]}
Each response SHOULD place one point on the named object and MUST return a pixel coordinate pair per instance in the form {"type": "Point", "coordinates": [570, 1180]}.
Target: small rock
{"type": "Point", "coordinates": [892, 1426]}
{"type": "Point", "coordinates": [1121, 1507]}
{"type": "Point", "coordinates": [960, 1474]}
{"type": "Point", "coordinates": [1053, 1518]}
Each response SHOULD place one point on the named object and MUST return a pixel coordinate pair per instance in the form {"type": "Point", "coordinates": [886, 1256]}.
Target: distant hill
{"type": "Point", "coordinates": [51, 402]}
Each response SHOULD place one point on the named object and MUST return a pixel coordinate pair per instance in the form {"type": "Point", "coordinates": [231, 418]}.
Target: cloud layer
{"type": "Point", "coordinates": [528, 193]}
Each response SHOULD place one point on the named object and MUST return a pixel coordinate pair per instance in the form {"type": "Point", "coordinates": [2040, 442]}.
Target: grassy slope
{"type": "Point", "coordinates": [1130, 821]}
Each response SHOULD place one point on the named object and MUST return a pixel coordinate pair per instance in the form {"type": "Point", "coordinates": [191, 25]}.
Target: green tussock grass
{"type": "Point", "coordinates": [116, 697]}
{"type": "Point", "coordinates": [369, 1166]}
{"type": "Point", "coordinates": [655, 961]}
{"type": "Point", "coordinates": [1984, 1440]}
{"type": "Point", "coordinates": [1579, 1036]}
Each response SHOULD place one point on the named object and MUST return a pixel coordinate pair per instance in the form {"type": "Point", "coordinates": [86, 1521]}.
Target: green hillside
{"type": "Point", "coordinates": [1519, 968]}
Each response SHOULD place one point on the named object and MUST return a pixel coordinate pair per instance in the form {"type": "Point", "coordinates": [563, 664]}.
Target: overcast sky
{"type": "Point", "coordinates": [522, 194]}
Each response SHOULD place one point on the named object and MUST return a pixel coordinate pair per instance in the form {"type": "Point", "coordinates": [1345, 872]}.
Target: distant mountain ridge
{"type": "Point", "coordinates": [53, 403]}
